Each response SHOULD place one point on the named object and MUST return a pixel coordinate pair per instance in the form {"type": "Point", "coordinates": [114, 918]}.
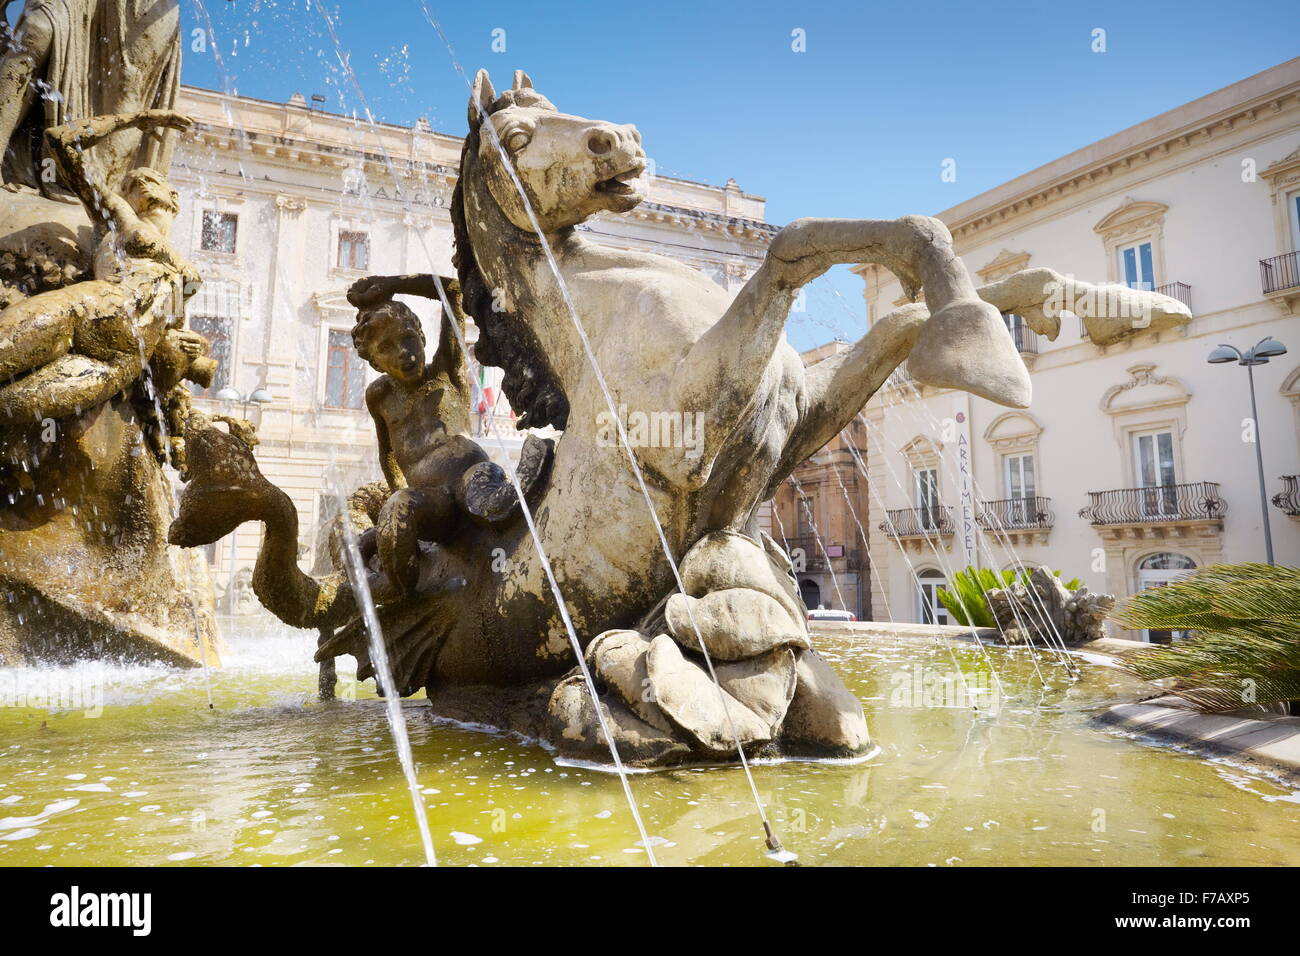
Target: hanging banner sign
{"type": "Point", "coordinates": [965, 483]}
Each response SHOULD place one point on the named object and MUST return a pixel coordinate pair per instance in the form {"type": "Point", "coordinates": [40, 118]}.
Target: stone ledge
{"type": "Point", "coordinates": [891, 629]}
{"type": "Point", "coordinates": [1272, 742]}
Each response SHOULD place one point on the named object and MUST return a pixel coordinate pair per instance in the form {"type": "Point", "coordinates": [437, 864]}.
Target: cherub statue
{"type": "Point", "coordinates": [69, 349]}
{"type": "Point", "coordinates": [437, 474]}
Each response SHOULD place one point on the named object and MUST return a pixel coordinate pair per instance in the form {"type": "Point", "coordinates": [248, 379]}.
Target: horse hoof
{"type": "Point", "coordinates": [966, 346]}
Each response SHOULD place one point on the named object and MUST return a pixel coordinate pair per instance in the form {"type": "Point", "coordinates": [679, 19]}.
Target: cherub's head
{"type": "Point", "coordinates": [152, 197]}
{"type": "Point", "coordinates": [390, 338]}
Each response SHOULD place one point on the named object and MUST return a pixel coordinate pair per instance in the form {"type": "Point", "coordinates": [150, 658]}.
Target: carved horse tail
{"type": "Point", "coordinates": [225, 489]}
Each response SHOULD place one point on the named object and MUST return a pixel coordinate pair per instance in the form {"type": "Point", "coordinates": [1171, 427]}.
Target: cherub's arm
{"type": "Point", "coordinates": [70, 143]}
{"type": "Point", "coordinates": [450, 357]}
{"type": "Point", "coordinates": [387, 459]}
{"type": "Point", "coordinates": [372, 290]}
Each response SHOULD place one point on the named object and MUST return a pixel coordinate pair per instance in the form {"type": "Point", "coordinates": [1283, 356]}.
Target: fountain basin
{"type": "Point", "coordinates": [272, 777]}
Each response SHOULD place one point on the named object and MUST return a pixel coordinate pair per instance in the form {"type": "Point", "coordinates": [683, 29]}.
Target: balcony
{"type": "Point", "coordinates": [1157, 511]}
{"type": "Point", "coordinates": [914, 527]}
{"type": "Point", "coordinates": [1288, 499]}
{"type": "Point", "coordinates": [1026, 339]}
{"type": "Point", "coordinates": [1280, 272]}
{"type": "Point", "coordinates": [1023, 520]}
{"type": "Point", "coordinates": [815, 551]}
{"type": "Point", "coordinates": [1177, 290]}
{"type": "Point", "coordinates": [1280, 279]}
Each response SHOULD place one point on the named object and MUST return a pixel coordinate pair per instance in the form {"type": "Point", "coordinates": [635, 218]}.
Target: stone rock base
{"type": "Point", "coordinates": [767, 691]}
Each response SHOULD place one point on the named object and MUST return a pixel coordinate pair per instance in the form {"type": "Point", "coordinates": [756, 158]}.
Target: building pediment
{"type": "Point", "coordinates": [1144, 389]}
{"type": "Point", "coordinates": [332, 302]}
{"type": "Point", "coordinates": [1291, 385]}
{"type": "Point", "coordinates": [1005, 263]}
{"type": "Point", "coordinates": [922, 452]}
{"type": "Point", "coordinates": [1132, 215]}
{"type": "Point", "coordinates": [1285, 170]}
{"type": "Point", "coordinates": [1012, 430]}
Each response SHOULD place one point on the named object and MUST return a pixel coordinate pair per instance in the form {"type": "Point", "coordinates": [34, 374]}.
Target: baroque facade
{"type": "Point", "coordinates": [284, 206]}
{"type": "Point", "coordinates": [1137, 461]}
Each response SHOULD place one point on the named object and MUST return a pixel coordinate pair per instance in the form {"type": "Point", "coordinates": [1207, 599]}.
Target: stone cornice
{"type": "Point", "coordinates": [1155, 140]}
{"type": "Point", "coordinates": [439, 178]}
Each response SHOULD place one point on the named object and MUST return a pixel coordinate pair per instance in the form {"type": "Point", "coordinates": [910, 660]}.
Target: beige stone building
{"type": "Point", "coordinates": [1137, 461]}
{"type": "Point", "coordinates": [822, 516]}
{"type": "Point", "coordinates": [283, 207]}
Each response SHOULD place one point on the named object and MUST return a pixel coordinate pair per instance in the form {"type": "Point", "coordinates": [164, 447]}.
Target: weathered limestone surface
{"type": "Point", "coordinates": [93, 352]}
{"type": "Point", "coordinates": [1044, 610]}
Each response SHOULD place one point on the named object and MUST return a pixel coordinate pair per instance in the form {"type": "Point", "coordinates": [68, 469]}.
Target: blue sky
{"type": "Point", "coordinates": [857, 125]}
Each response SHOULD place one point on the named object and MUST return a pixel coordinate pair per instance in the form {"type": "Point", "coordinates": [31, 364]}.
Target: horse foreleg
{"type": "Point", "coordinates": [719, 373]}
{"type": "Point", "coordinates": [838, 387]}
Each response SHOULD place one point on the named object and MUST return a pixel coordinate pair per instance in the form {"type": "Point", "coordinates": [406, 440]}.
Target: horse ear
{"type": "Point", "coordinates": [522, 81]}
{"type": "Point", "coordinates": [482, 99]}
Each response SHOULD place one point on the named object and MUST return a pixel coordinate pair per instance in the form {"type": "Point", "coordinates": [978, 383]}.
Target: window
{"type": "Point", "coordinates": [216, 330]}
{"type": "Point", "coordinates": [1018, 473]}
{"type": "Point", "coordinates": [354, 250]}
{"type": "Point", "coordinates": [1153, 457]}
{"type": "Point", "coordinates": [930, 610]}
{"type": "Point", "coordinates": [1020, 332]}
{"type": "Point", "coordinates": [1155, 571]}
{"type": "Point", "coordinates": [1294, 207]}
{"type": "Point", "coordinates": [345, 373]}
{"type": "Point", "coordinates": [1135, 266]}
{"type": "Point", "coordinates": [804, 517]}
{"type": "Point", "coordinates": [926, 489]}
{"type": "Point", "coordinates": [218, 234]}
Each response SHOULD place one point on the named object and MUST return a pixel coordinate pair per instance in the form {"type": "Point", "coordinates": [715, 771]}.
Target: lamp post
{"type": "Point", "coordinates": [258, 396]}
{"type": "Point", "coordinates": [1263, 350]}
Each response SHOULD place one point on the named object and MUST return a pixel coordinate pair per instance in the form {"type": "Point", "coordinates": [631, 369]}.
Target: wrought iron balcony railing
{"type": "Point", "coordinates": [1177, 290]}
{"type": "Point", "coordinates": [1280, 272]}
{"type": "Point", "coordinates": [1153, 504]}
{"type": "Point", "coordinates": [1026, 339]}
{"type": "Point", "coordinates": [915, 522]}
{"type": "Point", "coordinates": [1288, 499]}
{"type": "Point", "coordinates": [1015, 514]}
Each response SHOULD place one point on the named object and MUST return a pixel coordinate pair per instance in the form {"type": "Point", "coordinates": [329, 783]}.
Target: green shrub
{"type": "Point", "coordinates": [1245, 648]}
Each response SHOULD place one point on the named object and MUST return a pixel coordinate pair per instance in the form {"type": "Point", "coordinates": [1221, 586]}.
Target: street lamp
{"type": "Point", "coordinates": [1265, 349]}
{"type": "Point", "coordinates": [258, 396]}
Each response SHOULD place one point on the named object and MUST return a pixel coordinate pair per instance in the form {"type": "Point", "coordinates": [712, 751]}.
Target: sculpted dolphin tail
{"type": "Point", "coordinates": [226, 488]}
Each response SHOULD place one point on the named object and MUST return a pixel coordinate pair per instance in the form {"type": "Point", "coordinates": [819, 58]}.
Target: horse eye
{"type": "Point", "coordinates": [517, 140]}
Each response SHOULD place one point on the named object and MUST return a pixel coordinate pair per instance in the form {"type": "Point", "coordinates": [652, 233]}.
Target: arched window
{"type": "Point", "coordinates": [811, 593]}
{"type": "Point", "coordinates": [929, 610]}
{"type": "Point", "coordinates": [1155, 571]}
{"type": "Point", "coordinates": [1166, 561]}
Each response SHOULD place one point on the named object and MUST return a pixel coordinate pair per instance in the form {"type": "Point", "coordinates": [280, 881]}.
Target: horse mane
{"type": "Point", "coordinates": [505, 340]}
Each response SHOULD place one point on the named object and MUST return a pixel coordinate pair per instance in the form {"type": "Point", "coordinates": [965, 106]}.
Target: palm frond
{"type": "Point", "coordinates": [1245, 648]}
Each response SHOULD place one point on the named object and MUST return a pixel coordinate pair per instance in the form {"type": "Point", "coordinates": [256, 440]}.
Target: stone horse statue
{"type": "Point", "coordinates": [483, 633]}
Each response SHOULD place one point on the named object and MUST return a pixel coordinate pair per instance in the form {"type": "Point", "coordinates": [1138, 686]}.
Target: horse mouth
{"type": "Point", "coordinates": [622, 184]}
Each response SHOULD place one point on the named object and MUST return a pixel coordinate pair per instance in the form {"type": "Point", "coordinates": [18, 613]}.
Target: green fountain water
{"type": "Point", "coordinates": [140, 772]}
